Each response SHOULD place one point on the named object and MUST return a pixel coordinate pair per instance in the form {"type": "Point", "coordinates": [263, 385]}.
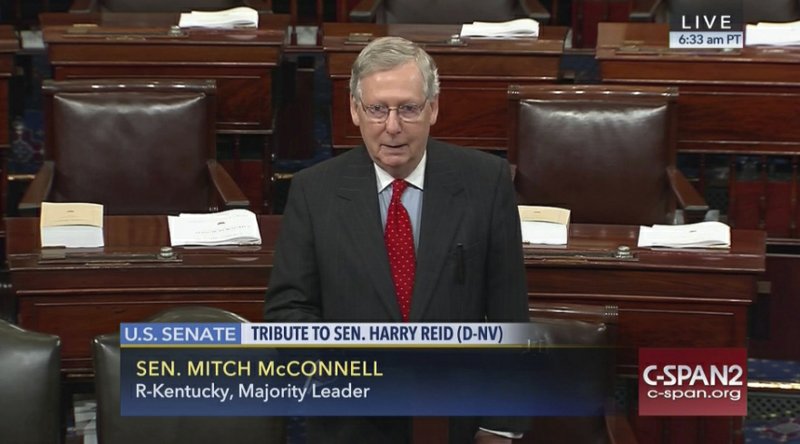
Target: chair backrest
{"type": "Point", "coordinates": [30, 378]}
{"type": "Point", "coordinates": [166, 6]}
{"type": "Point", "coordinates": [754, 10]}
{"type": "Point", "coordinates": [450, 11]}
{"type": "Point", "coordinates": [136, 146]}
{"type": "Point", "coordinates": [600, 151]}
{"type": "Point", "coordinates": [590, 333]}
{"type": "Point", "coordinates": [771, 11]}
{"type": "Point", "coordinates": [115, 429]}
{"type": "Point", "coordinates": [174, 5]}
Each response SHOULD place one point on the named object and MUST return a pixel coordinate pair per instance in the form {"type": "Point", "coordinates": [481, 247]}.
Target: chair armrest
{"type": "Point", "coordinates": [227, 190]}
{"type": "Point", "coordinates": [259, 5]}
{"type": "Point", "coordinates": [693, 204]}
{"type": "Point", "coordinates": [535, 10]}
{"type": "Point", "coordinates": [619, 430]}
{"type": "Point", "coordinates": [38, 190]}
{"type": "Point", "coordinates": [644, 10]}
{"type": "Point", "coordinates": [84, 6]}
{"type": "Point", "coordinates": [365, 11]}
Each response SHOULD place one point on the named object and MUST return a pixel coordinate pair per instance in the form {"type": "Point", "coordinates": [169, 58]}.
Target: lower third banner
{"type": "Point", "coordinates": [363, 382]}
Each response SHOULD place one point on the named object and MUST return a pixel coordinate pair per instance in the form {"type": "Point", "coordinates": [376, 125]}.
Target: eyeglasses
{"type": "Point", "coordinates": [409, 112]}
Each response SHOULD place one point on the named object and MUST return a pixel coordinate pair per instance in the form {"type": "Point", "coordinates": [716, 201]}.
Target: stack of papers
{"type": "Point", "coordinates": [544, 225]}
{"type": "Point", "coordinates": [85, 414]}
{"type": "Point", "coordinates": [31, 40]}
{"type": "Point", "coordinates": [523, 27]}
{"type": "Point", "coordinates": [772, 34]}
{"type": "Point", "coordinates": [232, 227]}
{"type": "Point", "coordinates": [241, 17]}
{"type": "Point", "coordinates": [71, 225]}
{"type": "Point", "coordinates": [699, 235]}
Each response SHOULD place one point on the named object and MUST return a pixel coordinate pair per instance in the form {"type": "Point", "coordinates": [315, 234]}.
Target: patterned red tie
{"type": "Point", "coordinates": [400, 248]}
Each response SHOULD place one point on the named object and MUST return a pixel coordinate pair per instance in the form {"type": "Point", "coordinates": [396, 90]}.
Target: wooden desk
{"type": "Point", "coordinates": [730, 101]}
{"type": "Point", "coordinates": [81, 300]}
{"type": "Point", "coordinates": [666, 298]}
{"type": "Point", "coordinates": [474, 75]}
{"type": "Point", "coordinates": [128, 45]}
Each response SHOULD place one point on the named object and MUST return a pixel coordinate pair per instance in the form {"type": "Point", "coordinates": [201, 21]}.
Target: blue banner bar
{"type": "Point", "coordinates": [363, 382]}
{"type": "Point", "coordinates": [179, 334]}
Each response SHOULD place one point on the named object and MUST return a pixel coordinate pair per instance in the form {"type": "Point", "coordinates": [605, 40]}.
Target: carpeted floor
{"type": "Point", "coordinates": [773, 416]}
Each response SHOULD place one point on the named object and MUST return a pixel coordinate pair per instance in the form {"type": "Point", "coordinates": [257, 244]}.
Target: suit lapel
{"type": "Point", "coordinates": [362, 221]}
{"type": "Point", "coordinates": [442, 212]}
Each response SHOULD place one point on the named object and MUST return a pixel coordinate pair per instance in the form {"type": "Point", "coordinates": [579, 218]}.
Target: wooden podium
{"type": "Point", "coordinates": [474, 75]}
{"type": "Point", "coordinates": [151, 46]}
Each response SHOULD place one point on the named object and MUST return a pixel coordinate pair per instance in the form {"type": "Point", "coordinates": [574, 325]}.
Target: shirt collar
{"type": "Point", "coordinates": [416, 178]}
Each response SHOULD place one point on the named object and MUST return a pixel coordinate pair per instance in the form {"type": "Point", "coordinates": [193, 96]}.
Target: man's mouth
{"type": "Point", "coordinates": [399, 145]}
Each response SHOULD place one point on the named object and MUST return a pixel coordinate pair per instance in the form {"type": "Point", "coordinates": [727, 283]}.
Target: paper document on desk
{"type": "Point", "coordinates": [71, 225]}
{"type": "Point", "coordinates": [232, 227]}
{"type": "Point", "coordinates": [766, 33]}
{"type": "Point", "coordinates": [699, 235]}
{"type": "Point", "coordinates": [523, 27]}
{"type": "Point", "coordinates": [544, 225]}
{"type": "Point", "coordinates": [241, 17]}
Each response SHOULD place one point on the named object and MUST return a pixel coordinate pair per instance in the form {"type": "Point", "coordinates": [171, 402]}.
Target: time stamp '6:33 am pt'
{"type": "Point", "coordinates": [706, 40]}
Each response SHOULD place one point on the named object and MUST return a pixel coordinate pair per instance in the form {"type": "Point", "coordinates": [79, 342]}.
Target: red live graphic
{"type": "Point", "coordinates": [692, 382]}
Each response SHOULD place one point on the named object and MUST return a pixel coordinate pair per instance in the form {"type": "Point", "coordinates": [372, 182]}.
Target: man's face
{"type": "Point", "coordinates": [396, 145]}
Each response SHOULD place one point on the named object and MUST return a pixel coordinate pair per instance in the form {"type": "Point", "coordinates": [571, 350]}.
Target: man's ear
{"type": "Point", "coordinates": [354, 111]}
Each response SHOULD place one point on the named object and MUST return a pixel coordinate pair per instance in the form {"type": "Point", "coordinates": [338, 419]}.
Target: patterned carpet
{"type": "Point", "coordinates": [773, 416]}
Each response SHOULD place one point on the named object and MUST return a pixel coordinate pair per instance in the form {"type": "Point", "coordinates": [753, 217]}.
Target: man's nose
{"type": "Point", "coordinates": [393, 122]}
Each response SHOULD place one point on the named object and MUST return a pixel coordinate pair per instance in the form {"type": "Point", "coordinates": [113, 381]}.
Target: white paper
{"type": "Point", "coordinates": [766, 33]}
{"type": "Point", "coordinates": [547, 233]}
{"type": "Point", "coordinates": [544, 225]}
{"type": "Point", "coordinates": [31, 40]}
{"type": "Point", "coordinates": [523, 27]}
{"type": "Point", "coordinates": [699, 235]}
{"type": "Point", "coordinates": [241, 17]}
{"type": "Point", "coordinates": [232, 227]}
{"type": "Point", "coordinates": [71, 225]}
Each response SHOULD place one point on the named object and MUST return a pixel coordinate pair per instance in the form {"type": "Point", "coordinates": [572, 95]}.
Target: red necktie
{"type": "Point", "coordinates": [400, 248]}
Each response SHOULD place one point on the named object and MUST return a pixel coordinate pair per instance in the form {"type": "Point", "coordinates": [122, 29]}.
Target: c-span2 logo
{"type": "Point", "coordinates": [692, 382]}
{"type": "Point", "coordinates": [703, 24]}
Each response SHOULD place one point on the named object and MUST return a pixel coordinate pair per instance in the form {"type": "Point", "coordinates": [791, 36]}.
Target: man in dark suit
{"type": "Point", "coordinates": [404, 228]}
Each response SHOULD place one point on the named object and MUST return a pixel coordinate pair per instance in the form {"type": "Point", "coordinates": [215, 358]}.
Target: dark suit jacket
{"type": "Point", "coordinates": [331, 262]}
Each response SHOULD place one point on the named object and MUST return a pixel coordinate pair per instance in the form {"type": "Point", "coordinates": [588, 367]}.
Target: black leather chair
{"type": "Point", "coordinates": [607, 153]}
{"type": "Point", "coordinates": [85, 6]}
{"type": "Point", "coordinates": [115, 429]}
{"type": "Point", "coordinates": [135, 146]}
{"type": "Point", "coordinates": [592, 327]}
{"type": "Point", "coordinates": [447, 11]}
{"type": "Point", "coordinates": [30, 394]}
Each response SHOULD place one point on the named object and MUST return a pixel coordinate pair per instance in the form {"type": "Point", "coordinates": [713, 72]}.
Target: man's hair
{"type": "Point", "coordinates": [387, 53]}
